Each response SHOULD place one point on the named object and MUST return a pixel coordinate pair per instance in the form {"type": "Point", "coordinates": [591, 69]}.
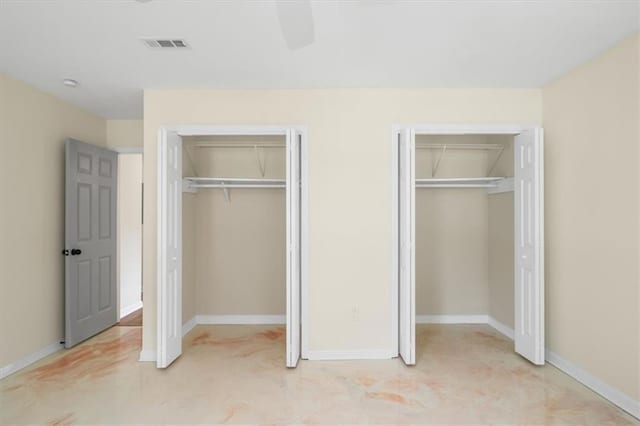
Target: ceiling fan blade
{"type": "Point", "coordinates": [296, 22]}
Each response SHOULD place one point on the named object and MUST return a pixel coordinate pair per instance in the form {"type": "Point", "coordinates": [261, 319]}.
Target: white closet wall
{"type": "Point", "coordinates": [238, 264]}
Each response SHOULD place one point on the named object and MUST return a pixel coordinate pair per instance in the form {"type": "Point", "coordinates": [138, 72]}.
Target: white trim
{"type": "Point", "coordinates": [608, 392]}
{"type": "Point", "coordinates": [188, 326]}
{"type": "Point", "coordinates": [129, 309]}
{"type": "Point", "coordinates": [240, 319]}
{"type": "Point", "coordinates": [350, 355]}
{"type": "Point", "coordinates": [128, 150]}
{"type": "Point", "coordinates": [224, 130]}
{"type": "Point", "coordinates": [501, 328]}
{"type": "Point", "coordinates": [304, 238]}
{"type": "Point", "coordinates": [452, 319]}
{"type": "Point", "coordinates": [148, 355]}
{"type": "Point", "coordinates": [395, 243]}
{"type": "Point", "coordinates": [7, 370]}
{"type": "Point", "coordinates": [468, 129]}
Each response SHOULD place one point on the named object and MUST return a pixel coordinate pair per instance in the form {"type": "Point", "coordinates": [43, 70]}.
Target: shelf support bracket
{"type": "Point", "coordinates": [191, 162]}
{"type": "Point", "coordinates": [434, 168]}
{"type": "Point", "coordinates": [495, 162]}
{"type": "Point", "coordinates": [260, 159]}
{"type": "Point", "coordinates": [227, 195]}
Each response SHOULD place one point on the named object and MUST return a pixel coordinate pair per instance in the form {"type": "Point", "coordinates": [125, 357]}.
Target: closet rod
{"type": "Point", "coordinates": [456, 185]}
{"type": "Point", "coordinates": [236, 185]}
{"type": "Point", "coordinates": [479, 146]}
{"type": "Point", "coordinates": [237, 145]}
{"type": "Point", "coordinates": [233, 180]}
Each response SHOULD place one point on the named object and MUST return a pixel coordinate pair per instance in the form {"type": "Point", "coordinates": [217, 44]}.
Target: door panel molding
{"type": "Point", "coordinates": [90, 219]}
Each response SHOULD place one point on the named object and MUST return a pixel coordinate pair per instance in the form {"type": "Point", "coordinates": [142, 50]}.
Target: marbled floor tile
{"type": "Point", "coordinates": [465, 374]}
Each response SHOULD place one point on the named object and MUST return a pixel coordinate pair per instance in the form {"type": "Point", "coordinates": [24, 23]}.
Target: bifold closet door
{"type": "Point", "coordinates": [406, 252]}
{"type": "Point", "coordinates": [294, 270]}
{"type": "Point", "coordinates": [169, 345]}
{"type": "Point", "coordinates": [529, 245]}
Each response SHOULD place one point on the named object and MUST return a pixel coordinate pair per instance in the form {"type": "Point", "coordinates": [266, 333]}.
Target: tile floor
{"type": "Point", "coordinates": [466, 374]}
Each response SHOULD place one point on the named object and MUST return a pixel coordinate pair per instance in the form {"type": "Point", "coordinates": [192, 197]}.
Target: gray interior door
{"type": "Point", "coordinates": [90, 241]}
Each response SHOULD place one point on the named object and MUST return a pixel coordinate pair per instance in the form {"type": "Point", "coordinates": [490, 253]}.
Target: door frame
{"type": "Point", "coordinates": [244, 130]}
{"type": "Point", "coordinates": [431, 129]}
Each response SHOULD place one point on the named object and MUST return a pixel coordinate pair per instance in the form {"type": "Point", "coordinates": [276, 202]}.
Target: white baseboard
{"type": "Point", "coordinates": [349, 355]}
{"type": "Point", "coordinates": [7, 370]}
{"type": "Point", "coordinates": [147, 355]}
{"type": "Point", "coordinates": [129, 309]}
{"type": "Point", "coordinates": [501, 328]}
{"type": "Point", "coordinates": [452, 319]}
{"type": "Point", "coordinates": [608, 392]}
{"type": "Point", "coordinates": [188, 326]}
{"type": "Point", "coordinates": [240, 319]}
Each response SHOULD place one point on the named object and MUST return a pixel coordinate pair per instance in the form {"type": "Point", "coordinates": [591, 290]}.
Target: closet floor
{"type": "Point", "coordinates": [235, 374]}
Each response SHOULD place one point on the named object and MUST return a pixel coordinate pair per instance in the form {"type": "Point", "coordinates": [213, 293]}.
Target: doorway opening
{"type": "Point", "coordinates": [231, 177]}
{"type": "Point", "coordinates": [129, 238]}
{"type": "Point", "coordinates": [468, 231]}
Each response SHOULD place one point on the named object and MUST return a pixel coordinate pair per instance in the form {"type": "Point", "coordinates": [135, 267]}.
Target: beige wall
{"type": "Point", "coordinates": [33, 127]}
{"type": "Point", "coordinates": [350, 238]}
{"type": "Point", "coordinates": [501, 258]}
{"type": "Point", "coordinates": [124, 133]}
{"type": "Point", "coordinates": [592, 193]}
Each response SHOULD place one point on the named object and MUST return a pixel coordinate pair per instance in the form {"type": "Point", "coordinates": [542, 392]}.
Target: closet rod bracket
{"type": "Point", "coordinates": [260, 158]}
{"type": "Point", "coordinates": [434, 169]}
{"type": "Point", "coordinates": [227, 194]}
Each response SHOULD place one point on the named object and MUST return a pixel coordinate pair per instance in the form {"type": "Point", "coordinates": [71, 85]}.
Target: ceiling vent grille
{"type": "Point", "coordinates": [165, 43]}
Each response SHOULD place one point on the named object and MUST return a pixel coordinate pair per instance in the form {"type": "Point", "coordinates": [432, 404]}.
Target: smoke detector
{"type": "Point", "coordinates": [70, 82]}
{"type": "Point", "coordinates": [165, 43]}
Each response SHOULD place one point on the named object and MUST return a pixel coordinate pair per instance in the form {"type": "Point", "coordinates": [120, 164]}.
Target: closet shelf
{"type": "Point", "coordinates": [479, 182]}
{"type": "Point", "coordinates": [214, 182]}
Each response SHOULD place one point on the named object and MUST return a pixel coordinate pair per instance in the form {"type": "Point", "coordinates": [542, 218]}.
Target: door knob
{"type": "Point", "coordinates": [75, 252]}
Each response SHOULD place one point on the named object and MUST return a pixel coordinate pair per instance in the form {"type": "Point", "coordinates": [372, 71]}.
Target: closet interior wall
{"type": "Point", "coordinates": [460, 238]}
{"type": "Point", "coordinates": [501, 248]}
{"type": "Point", "coordinates": [234, 250]}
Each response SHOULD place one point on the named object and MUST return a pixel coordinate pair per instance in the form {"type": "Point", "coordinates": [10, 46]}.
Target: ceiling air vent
{"type": "Point", "coordinates": [165, 43]}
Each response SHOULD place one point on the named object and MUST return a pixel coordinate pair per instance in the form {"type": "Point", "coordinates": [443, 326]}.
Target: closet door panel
{"type": "Point", "coordinates": [529, 246]}
{"type": "Point", "coordinates": [406, 252]}
{"type": "Point", "coordinates": [169, 249]}
{"type": "Point", "coordinates": [294, 269]}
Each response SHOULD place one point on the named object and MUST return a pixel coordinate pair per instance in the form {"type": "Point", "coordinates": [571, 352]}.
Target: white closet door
{"type": "Point", "coordinates": [406, 255]}
{"type": "Point", "coordinates": [293, 246]}
{"type": "Point", "coordinates": [169, 346]}
{"type": "Point", "coordinates": [529, 245]}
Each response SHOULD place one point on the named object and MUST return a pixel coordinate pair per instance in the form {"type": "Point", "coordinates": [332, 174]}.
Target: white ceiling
{"type": "Point", "coordinates": [359, 43]}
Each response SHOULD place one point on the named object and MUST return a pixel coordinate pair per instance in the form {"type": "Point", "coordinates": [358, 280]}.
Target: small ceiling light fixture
{"type": "Point", "coordinates": [69, 82]}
